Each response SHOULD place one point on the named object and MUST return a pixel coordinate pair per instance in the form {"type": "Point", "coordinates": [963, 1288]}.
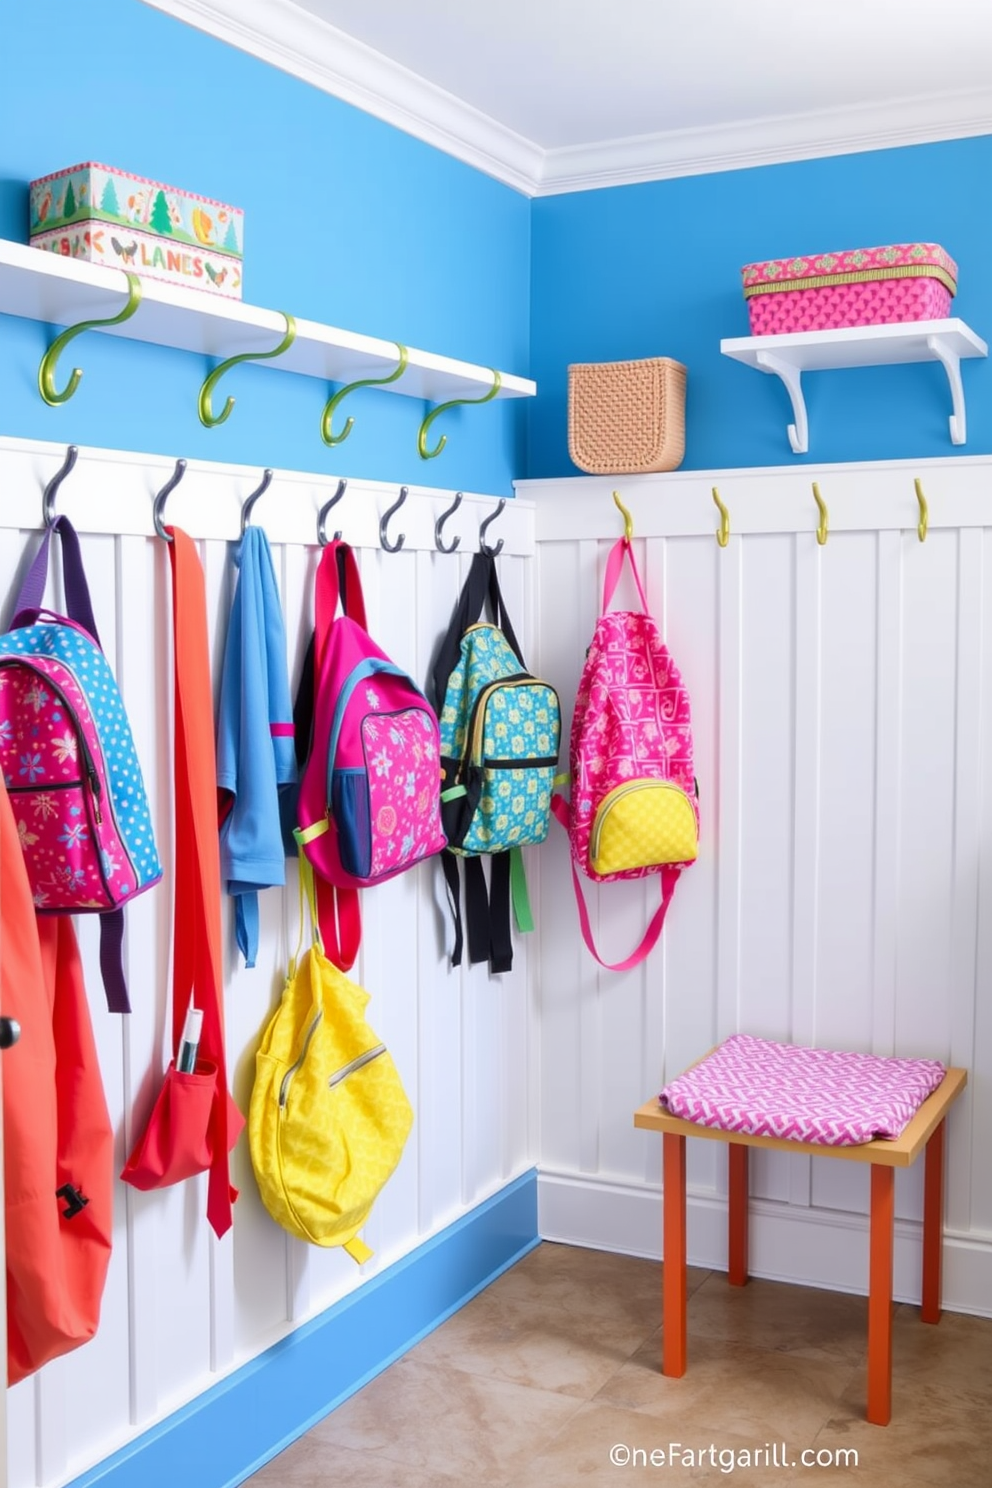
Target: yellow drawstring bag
{"type": "Point", "coordinates": [329, 1117]}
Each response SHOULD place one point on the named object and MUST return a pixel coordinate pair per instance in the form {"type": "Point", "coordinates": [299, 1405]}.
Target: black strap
{"type": "Point", "coordinates": [500, 943]}
{"type": "Point", "coordinates": [481, 587]}
{"type": "Point", "coordinates": [449, 865]}
{"type": "Point", "coordinates": [488, 912]}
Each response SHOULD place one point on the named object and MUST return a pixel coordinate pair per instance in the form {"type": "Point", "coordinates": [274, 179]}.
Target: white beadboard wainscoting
{"type": "Point", "coordinates": [843, 893]}
{"type": "Point", "coordinates": [182, 1309]}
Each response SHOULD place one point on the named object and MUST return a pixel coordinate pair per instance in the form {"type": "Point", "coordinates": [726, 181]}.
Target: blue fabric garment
{"type": "Point", "coordinates": [255, 757]}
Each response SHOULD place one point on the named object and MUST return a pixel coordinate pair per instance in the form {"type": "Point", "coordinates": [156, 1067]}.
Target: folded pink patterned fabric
{"type": "Point", "coordinates": [766, 1089]}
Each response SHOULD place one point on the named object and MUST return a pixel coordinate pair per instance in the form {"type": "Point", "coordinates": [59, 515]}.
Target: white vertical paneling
{"type": "Point", "coordinates": [180, 1307]}
{"type": "Point", "coordinates": [841, 894]}
{"type": "Point", "coordinates": [727, 825]}
{"type": "Point", "coordinates": [889, 740]}
{"type": "Point", "coordinates": [929, 720]}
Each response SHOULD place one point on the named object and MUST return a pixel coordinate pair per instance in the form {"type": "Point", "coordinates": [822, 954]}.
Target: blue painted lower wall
{"type": "Point", "coordinates": [235, 1427]}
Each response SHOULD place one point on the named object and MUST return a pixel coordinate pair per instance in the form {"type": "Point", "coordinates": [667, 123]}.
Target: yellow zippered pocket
{"type": "Point", "coordinates": [642, 823]}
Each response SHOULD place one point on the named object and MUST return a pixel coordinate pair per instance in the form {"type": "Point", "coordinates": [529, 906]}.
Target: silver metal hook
{"type": "Point", "coordinates": [483, 529]}
{"type": "Point", "coordinates": [248, 506]}
{"type": "Point", "coordinates": [447, 547]}
{"type": "Point", "coordinates": [158, 506]}
{"type": "Point", "coordinates": [325, 510]}
{"type": "Point", "coordinates": [393, 547]}
{"type": "Point", "coordinates": [51, 490]}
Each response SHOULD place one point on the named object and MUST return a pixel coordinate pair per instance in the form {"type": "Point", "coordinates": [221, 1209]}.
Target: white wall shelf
{"type": "Point", "coordinates": [64, 291]}
{"type": "Point", "coordinates": [790, 355]}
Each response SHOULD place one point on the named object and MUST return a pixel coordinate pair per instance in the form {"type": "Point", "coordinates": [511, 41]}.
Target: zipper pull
{"type": "Point", "coordinates": [95, 788]}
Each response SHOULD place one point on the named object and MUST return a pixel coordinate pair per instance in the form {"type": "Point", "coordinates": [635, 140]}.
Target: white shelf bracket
{"type": "Point", "coordinates": [952, 366]}
{"type": "Point", "coordinates": [792, 377]}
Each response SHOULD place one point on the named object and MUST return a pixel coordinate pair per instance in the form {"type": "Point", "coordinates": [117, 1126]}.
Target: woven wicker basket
{"type": "Point", "coordinates": [626, 418]}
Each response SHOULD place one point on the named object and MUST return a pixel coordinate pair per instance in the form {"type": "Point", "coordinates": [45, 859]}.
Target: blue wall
{"type": "Point", "coordinates": [348, 221]}
{"type": "Point", "coordinates": [654, 270]}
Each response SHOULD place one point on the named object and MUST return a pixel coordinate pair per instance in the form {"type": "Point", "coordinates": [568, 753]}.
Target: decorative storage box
{"type": "Point", "coordinates": [107, 216]}
{"type": "Point", "coordinates": [864, 286]}
{"type": "Point", "coordinates": [626, 418]}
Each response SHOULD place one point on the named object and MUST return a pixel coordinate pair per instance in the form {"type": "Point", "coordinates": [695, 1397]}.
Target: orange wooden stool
{"type": "Point", "coordinates": [925, 1131]}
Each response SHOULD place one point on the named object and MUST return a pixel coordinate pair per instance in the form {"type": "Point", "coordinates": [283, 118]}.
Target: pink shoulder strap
{"type": "Point", "coordinates": [669, 878]}
{"type": "Point", "coordinates": [614, 567]}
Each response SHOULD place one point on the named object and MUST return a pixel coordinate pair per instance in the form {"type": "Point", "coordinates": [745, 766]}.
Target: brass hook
{"type": "Point", "coordinates": [393, 547]}
{"type": "Point", "coordinates": [425, 453]}
{"type": "Point", "coordinates": [158, 506]}
{"type": "Point", "coordinates": [723, 531]}
{"type": "Point", "coordinates": [484, 527]}
{"type": "Point", "coordinates": [246, 510]}
{"type": "Point", "coordinates": [628, 521]}
{"type": "Point", "coordinates": [823, 528]}
{"type": "Point", "coordinates": [327, 417]}
{"type": "Point", "coordinates": [46, 371]}
{"type": "Point", "coordinates": [204, 402]}
{"type": "Point", "coordinates": [449, 512]}
{"type": "Point", "coordinates": [325, 511]}
{"type": "Point", "coordinates": [924, 522]}
{"type": "Point", "coordinates": [51, 490]}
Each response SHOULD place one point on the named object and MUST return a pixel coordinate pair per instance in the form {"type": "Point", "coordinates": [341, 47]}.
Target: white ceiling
{"type": "Point", "coordinates": [553, 95]}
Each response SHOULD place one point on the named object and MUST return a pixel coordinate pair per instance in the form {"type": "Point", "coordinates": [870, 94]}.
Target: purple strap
{"type": "Point", "coordinates": [112, 961]}
{"type": "Point", "coordinates": [77, 593]}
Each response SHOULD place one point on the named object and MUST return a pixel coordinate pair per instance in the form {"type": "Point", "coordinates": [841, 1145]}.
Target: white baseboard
{"type": "Point", "coordinates": [813, 1247]}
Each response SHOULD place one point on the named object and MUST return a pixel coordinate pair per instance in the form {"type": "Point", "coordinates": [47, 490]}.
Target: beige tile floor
{"type": "Point", "coordinates": [535, 1380]}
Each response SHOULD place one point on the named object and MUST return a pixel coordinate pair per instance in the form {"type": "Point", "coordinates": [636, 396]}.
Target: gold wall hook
{"type": "Point", "coordinates": [924, 521]}
{"type": "Point", "coordinates": [723, 531]}
{"type": "Point", "coordinates": [824, 524]}
{"type": "Point", "coordinates": [628, 521]}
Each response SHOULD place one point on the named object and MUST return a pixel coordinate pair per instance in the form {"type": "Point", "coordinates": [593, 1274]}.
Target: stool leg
{"type": "Point", "coordinates": [737, 1214]}
{"type": "Point", "coordinates": [933, 1225]}
{"type": "Point", "coordinates": [882, 1225]}
{"type": "Point", "coordinates": [673, 1272]}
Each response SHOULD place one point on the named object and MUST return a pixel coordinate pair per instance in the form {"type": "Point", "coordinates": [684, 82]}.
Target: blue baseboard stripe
{"type": "Point", "coordinates": [235, 1427]}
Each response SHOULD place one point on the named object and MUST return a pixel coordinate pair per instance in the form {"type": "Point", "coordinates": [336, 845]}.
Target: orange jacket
{"type": "Point", "coordinates": [56, 1129]}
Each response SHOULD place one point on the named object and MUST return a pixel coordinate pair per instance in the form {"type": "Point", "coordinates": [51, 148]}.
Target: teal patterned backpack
{"type": "Point", "coordinates": [500, 734]}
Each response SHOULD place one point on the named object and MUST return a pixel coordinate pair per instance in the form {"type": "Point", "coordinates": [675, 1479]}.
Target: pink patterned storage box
{"type": "Point", "coordinates": [863, 286]}
{"type": "Point", "coordinates": [761, 1088]}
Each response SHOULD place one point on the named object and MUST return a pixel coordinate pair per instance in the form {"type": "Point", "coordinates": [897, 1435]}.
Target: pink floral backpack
{"type": "Point", "coordinates": [634, 809]}
{"type": "Point", "coordinates": [369, 802]}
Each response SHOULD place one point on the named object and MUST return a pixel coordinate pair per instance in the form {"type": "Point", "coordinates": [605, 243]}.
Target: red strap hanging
{"type": "Point", "coordinates": [195, 1122]}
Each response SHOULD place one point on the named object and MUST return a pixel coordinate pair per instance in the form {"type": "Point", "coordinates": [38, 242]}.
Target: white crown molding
{"type": "Point", "coordinates": [292, 39]}
{"type": "Point", "coordinates": [768, 141]}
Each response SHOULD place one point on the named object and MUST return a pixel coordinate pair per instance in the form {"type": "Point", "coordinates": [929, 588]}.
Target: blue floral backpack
{"type": "Point", "coordinates": [500, 735]}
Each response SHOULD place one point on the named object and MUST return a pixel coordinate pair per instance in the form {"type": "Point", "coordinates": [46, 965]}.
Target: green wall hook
{"type": "Point", "coordinates": [204, 402]}
{"type": "Point", "coordinates": [326, 433]}
{"type": "Point", "coordinates": [425, 453]}
{"type": "Point", "coordinates": [46, 371]}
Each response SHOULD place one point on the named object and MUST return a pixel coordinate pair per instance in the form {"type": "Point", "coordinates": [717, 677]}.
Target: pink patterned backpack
{"type": "Point", "coordinates": [634, 800]}
{"type": "Point", "coordinates": [69, 762]}
{"type": "Point", "coordinates": [369, 802]}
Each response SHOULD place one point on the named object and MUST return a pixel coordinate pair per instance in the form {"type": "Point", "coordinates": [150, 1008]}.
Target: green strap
{"type": "Point", "coordinates": [453, 793]}
{"type": "Point", "coordinates": [518, 892]}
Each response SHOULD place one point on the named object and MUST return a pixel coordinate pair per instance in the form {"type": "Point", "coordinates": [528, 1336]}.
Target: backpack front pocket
{"type": "Point", "coordinates": [387, 814]}
{"type": "Point", "coordinates": [640, 824]}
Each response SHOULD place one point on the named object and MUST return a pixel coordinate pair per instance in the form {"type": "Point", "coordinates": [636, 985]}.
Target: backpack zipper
{"type": "Point", "coordinates": [287, 1077]}
{"type": "Point", "coordinates": [610, 799]}
{"type": "Point", "coordinates": [355, 1064]}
